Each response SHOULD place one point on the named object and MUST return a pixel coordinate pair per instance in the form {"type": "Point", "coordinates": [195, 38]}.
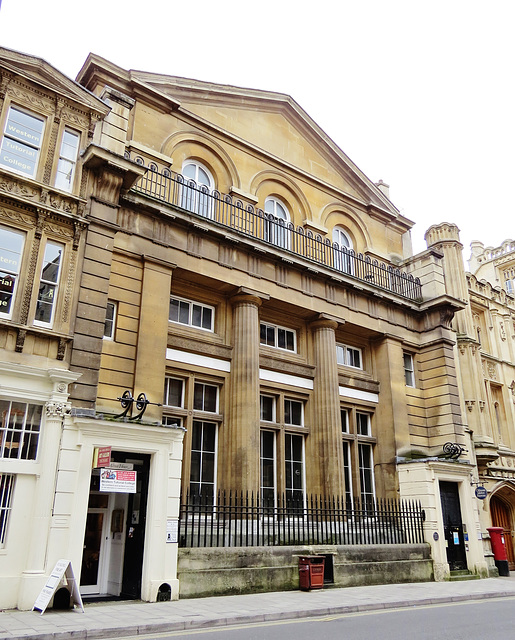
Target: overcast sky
{"type": "Point", "coordinates": [418, 94]}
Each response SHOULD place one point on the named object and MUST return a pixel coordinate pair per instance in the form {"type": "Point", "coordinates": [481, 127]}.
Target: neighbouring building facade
{"type": "Point", "coordinates": [485, 332]}
{"type": "Point", "coordinates": [50, 503]}
{"type": "Point", "coordinates": [209, 282]}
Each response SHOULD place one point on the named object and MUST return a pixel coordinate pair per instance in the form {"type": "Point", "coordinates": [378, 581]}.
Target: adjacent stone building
{"type": "Point", "coordinates": [485, 332]}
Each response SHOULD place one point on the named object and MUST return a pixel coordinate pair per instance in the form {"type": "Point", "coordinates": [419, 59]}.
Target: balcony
{"type": "Point", "coordinates": [177, 191]}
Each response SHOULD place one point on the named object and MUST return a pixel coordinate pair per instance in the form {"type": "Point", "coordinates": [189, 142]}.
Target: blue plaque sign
{"type": "Point", "coordinates": [481, 493]}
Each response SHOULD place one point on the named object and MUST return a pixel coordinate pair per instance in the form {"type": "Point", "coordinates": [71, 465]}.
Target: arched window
{"type": "Point", "coordinates": [276, 230]}
{"type": "Point", "coordinates": [196, 197]}
{"type": "Point", "coordinates": [342, 260]}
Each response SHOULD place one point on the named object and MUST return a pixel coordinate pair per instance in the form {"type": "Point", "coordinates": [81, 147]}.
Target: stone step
{"type": "Point", "coordinates": [457, 576]}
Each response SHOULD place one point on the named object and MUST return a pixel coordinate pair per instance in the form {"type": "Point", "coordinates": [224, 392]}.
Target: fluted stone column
{"type": "Point", "coordinates": [241, 468]}
{"type": "Point", "coordinates": [324, 459]}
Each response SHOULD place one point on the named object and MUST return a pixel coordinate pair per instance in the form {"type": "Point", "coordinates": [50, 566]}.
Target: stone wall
{"type": "Point", "coordinates": [215, 571]}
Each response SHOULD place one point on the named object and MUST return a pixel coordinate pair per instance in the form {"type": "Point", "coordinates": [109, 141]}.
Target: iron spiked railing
{"type": "Point", "coordinates": [176, 190]}
{"type": "Point", "coordinates": [242, 520]}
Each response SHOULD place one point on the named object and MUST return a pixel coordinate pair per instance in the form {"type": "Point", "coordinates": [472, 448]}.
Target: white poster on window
{"type": "Point", "coordinates": [117, 481]}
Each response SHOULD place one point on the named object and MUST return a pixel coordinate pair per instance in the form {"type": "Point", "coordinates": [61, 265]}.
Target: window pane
{"type": "Point", "coordinates": [207, 318]}
{"type": "Point", "coordinates": [196, 317]}
{"type": "Point", "coordinates": [281, 338]}
{"type": "Point", "coordinates": [174, 310]}
{"type": "Point", "coordinates": [290, 340]}
{"type": "Point", "coordinates": [210, 396]}
{"type": "Point", "coordinates": [344, 418]}
{"type": "Point", "coordinates": [270, 336]}
{"type": "Point", "coordinates": [198, 397]}
{"type": "Point", "coordinates": [11, 245]}
{"type": "Point", "coordinates": [293, 412]}
{"type": "Point", "coordinates": [363, 424]}
{"type": "Point", "coordinates": [21, 142]}
{"type": "Point", "coordinates": [184, 312]}
{"type": "Point", "coordinates": [173, 392]}
{"type": "Point", "coordinates": [267, 408]}
{"type": "Point", "coordinates": [19, 430]}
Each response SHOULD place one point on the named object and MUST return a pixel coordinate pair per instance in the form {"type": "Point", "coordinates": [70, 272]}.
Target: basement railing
{"type": "Point", "coordinates": [174, 189]}
{"type": "Point", "coordinates": [238, 520]}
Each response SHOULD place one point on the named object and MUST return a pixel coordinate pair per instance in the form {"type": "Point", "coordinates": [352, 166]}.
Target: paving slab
{"type": "Point", "coordinates": [112, 620]}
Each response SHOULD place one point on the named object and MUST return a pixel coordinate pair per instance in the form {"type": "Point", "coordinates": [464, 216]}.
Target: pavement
{"type": "Point", "coordinates": [133, 618]}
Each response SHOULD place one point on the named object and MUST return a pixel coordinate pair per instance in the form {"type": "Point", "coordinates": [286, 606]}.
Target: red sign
{"type": "Point", "coordinates": [102, 457]}
{"type": "Point", "coordinates": [117, 481]}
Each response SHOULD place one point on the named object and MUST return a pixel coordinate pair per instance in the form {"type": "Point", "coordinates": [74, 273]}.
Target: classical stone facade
{"type": "Point", "coordinates": [235, 294]}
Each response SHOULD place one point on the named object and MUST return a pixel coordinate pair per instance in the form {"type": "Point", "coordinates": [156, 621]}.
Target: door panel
{"type": "Point", "coordinates": [453, 526]}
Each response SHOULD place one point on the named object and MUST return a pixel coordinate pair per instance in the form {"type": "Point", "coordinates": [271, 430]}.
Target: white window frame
{"type": "Point", "coordinates": [30, 145]}
{"type": "Point", "coordinates": [274, 232]}
{"type": "Point", "coordinates": [7, 481]}
{"type": "Point", "coordinates": [363, 494]}
{"type": "Point", "coordinates": [364, 418]}
{"type": "Point", "coordinates": [347, 471]}
{"type": "Point", "coordinates": [166, 397]}
{"type": "Point", "coordinates": [204, 385]}
{"type": "Point", "coordinates": [262, 458]}
{"type": "Point", "coordinates": [191, 305]}
{"type": "Point", "coordinates": [202, 451]}
{"type": "Point", "coordinates": [15, 433]}
{"type": "Point", "coordinates": [67, 164]}
{"type": "Point", "coordinates": [345, 354]}
{"type": "Point", "coordinates": [52, 285]}
{"type": "Point", "coordinates": [274, 414]}
{"type": "Point", "coordinates": [342, 261]}
{"type": "Point", "coordinates": [299, 402]}
{"type": "Point", "coordinates": [409, 369]}
{"type": "Point", "coordinates": [110, 322]}
{"type": "Point", "coordinates": [276, 328]}
{"type": "Point", "coordinates": [9, 272]}
{"type": "Point", "coordinates": [291, 461]}
{"type": "Point", "coordinates": [193, 198]}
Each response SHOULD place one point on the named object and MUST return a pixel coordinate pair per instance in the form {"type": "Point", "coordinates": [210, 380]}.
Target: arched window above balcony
{"type": "Point", "coordinates": [196, 192]}
{"type": "Point", "coordinates": [342, 260]}
{"type": "Point", "coordinates": [276, 229]}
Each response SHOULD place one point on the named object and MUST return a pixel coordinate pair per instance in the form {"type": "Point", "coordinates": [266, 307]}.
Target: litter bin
{"type": "Point", "coordinates": [499, 550]}
{"type": "Point", "coordinates": [311, 572]}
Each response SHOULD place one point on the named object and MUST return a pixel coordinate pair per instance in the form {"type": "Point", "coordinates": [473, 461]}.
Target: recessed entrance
{"type": "Point", "coordinates": [115, 533]}
{"type": "Point", "coordinates": [453, 526]}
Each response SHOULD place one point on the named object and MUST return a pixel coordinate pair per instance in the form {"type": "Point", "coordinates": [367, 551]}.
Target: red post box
{"type": "Point", "coordinates": [499, 550]}
{"type": "Point", "coordinates": [311, 572]}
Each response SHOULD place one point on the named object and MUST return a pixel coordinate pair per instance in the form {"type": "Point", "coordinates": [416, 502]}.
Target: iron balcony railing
{"type": "Point", "coordinates": [238, 520]}
{"type": "Point", "coordinates": [179, 191]}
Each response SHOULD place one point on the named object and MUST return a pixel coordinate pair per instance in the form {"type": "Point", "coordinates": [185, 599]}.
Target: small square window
{"type": "Point", "coordinates": [267, 408]}
{"type": "Point", "coordinates": [174, 392]}
{"type": "Point", "coordinates": [272, 335]}
{"type": "Point", "coordinates": [205, 397]}
{"type": "Point", "coordinates": [293, 413]}
{"type": "Point", "coordinates": [191, 313]}
{"type": "Point", "coordinates": [348, 356]}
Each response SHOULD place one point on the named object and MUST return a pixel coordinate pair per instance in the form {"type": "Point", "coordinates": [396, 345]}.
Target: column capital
{"type": "Point", "coordinates": [323, 321]}
{"type": "Point", "coordinates": [249, 296]}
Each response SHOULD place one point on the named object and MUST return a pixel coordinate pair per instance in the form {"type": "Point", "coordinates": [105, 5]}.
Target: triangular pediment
{"type": "Point", "coordinates": [252, 114]}
{"type": "Point", "coordinates": [40, 72]}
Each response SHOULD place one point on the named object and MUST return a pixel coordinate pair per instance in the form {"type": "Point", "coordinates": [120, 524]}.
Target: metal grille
{"type": "Point", "coordinates": [242, 520]}
{"type": "Point", "coordinates": [220, 208]}
{"type": "Point", "coordinates": [6, 490]}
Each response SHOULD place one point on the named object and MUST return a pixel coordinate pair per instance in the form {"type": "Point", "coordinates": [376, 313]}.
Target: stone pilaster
{"type": "Point", "coordinates": [241, 468]}
{"type": "Point", "coordinates": [324, 449]}
{"type": "Point", "coordinates": [153, 334]}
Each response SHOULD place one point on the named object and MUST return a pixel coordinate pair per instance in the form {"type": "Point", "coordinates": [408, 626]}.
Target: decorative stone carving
{"type": "Point", "coordinates": [470, 404]}
{"type": "Point", "coordinates": [492, 370]}
{"type": "Point", "coordinates": [57, 409]}
{"type": "Point", "coordinates": [20, 340]}
{"type": "Point", "coordinates": [502, 331]}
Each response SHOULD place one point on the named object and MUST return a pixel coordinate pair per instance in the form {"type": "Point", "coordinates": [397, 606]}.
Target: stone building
{"type": "Point", "coordinates": [486, 352]}
{"type": "Point", "coordinates": [256, 275]}
{"type": "Point", "coordinates": [47, 124]}
{"type": "Point", "coordinates": [237, 288]}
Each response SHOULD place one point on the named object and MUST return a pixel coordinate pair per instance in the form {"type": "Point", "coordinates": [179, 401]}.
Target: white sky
{"type": "Point", "coordinates": [419, 94]}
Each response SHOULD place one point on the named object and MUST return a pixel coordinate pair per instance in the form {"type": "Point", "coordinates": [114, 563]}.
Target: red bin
{"type": "Point", "coordinates": [311, 572]}
{"type": "Point", "coordinates": [499, 550]}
